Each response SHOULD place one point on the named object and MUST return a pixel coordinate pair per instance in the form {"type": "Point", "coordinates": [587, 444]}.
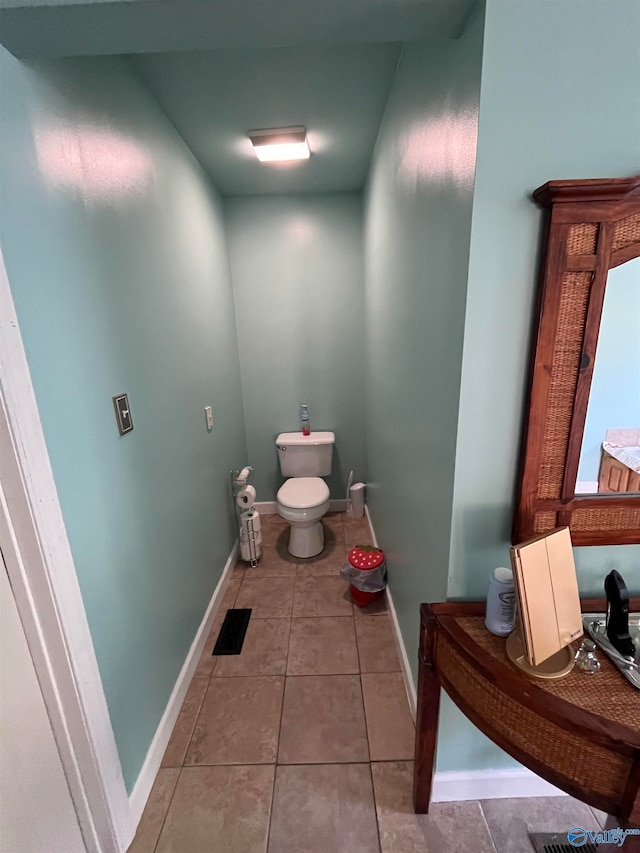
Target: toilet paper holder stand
{"type": "Point", "coordinates": [239, 479]}
{"type": "Point", "coordinates": [249, 538]}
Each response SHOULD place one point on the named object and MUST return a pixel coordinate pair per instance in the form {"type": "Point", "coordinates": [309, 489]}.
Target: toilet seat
{"type": "Point", "coordinates": [303, 493]}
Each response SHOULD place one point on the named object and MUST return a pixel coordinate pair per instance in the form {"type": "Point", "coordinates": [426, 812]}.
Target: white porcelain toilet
{"type": "Point", "coordinates": [304, 498]}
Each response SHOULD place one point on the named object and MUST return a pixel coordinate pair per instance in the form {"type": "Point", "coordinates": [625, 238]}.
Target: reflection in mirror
{"type": "Point", "coordinates": [610, 453]}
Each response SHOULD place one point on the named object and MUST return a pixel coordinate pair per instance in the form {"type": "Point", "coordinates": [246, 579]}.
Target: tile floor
{"type": "Point", "coordinates": [304, 741]}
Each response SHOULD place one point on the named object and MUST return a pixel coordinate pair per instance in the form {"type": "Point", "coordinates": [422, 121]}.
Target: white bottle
{"type": "Point", "coordinates": [501, 603]}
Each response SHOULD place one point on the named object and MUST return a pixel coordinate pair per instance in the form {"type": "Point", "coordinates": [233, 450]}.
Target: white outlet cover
{"type": "Point", "coordinates": [208, 410]}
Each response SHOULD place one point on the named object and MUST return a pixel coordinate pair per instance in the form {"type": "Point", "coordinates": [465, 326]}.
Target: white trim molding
{"type": "Point", "coordinates": [153, 759]}
{"type": "Point", "coordinates": [451, 786]}
{"type": "Point", "coordinates": [407, 675]}
{"type": "Point", "coordinates": [44, 582]}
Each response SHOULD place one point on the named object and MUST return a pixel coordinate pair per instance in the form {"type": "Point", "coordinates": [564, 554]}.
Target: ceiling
{"type": "Point", "coordinates": [220, 68]}
{"type": "Point", "coordinates": [30, 28]}
{"type": "Point", "coordinates": [214, 97]}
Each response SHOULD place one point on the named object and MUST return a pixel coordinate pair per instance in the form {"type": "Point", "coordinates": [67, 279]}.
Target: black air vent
{"type": "Point", "coordinates": [556, 842]}
{"type": "Point", "coordinates": [234, 628]}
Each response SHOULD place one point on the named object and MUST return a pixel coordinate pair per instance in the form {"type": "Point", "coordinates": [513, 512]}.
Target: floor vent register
{"type": "Point", "coordinates": [232, 634]}
{"type": "Point", "coordinates": [557, 842]}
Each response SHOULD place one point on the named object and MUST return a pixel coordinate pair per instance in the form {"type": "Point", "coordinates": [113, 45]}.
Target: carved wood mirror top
{"type": "Point", "coordinates": [591, 227]}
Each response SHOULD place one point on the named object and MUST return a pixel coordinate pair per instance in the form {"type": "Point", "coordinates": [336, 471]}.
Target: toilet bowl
{"type": "Point", "coordinates": [302, 501]}
{"type": "Point", "coordinates": [304, 497]}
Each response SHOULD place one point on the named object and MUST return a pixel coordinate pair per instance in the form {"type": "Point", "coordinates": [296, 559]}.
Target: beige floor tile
{"type": "Point", "coordinates": [183, 729]}
{"type": "Point", "coordinates": [330, 561]}
{"type": "Point", "coordinates": [229, 597]}
{"type": "Point", "coordinates": [510, 821]}
{"type": "Point", "coordinates": [273, 528]}
{"type": "Point", "coordinates": [389, 723]}
{"type": "Point", "coordinates": [322, 596]}
{"type": "Point", "coordinates": [155, 811]}
{"type": "Point", "coordinates": [334, 520]}
{"type": "Point", "coordinates": [356, 532]}
{"type": "Point", "coordinates": [605, 820]}
{"type": "Point", "coordinates": [269, 598]}
{"type": "Point", "coordinates": [207, 662]}
{"type": "Point", "coordinates": [448, 828]}
{"type": "Point", "coordinates": [324, 808]}
{"type": "Point", "coordinates": [376, 645]}
{"type": "Point", "coordinates": [219, 810]}
{"type": "Point", "coordinates": [270, 566]}
{"type": "Point", "coordinates": [323, 646]}
{"type": "Point", "coordinates": [323, 720]}
{"type": "Point", "coordinates": [264, 651]}
{"type": "Point", "coordinates": [238, 722]}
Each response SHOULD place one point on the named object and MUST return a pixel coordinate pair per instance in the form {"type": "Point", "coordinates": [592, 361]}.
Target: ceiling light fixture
{"type": "Point", "coordinates": [282, 143]}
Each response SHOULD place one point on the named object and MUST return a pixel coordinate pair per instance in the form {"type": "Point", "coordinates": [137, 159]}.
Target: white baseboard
{"type": "Point", "coordinates": [450, 786]}
{"type": "Point", "coordinates": [146, 777]}
{"type": "Point", "coordinates": [266, 507]}
{"type": "Point", "coordinates": [407, 675]}
{"type": "Point", "coordinates": [409, 685]}
{"type": "Point", "coordinates": [338, 506]}
{"type": "Point", "coordinates": [373, 533]}
{"type": "Point", "coordinates": [271, 507]}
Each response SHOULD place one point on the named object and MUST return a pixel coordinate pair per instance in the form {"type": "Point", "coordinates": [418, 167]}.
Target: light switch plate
{"type": "Point", "coordinates": [208, 410]}
{"type": "Point", "coordinates": [123, 413]}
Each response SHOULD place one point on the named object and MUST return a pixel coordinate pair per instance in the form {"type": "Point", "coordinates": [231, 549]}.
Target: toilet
{"type": "Point", "coordinates": [304, 497]}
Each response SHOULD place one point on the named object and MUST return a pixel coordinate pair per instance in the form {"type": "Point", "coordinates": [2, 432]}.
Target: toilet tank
{"type": "Point", "coordinates": [305, 455]}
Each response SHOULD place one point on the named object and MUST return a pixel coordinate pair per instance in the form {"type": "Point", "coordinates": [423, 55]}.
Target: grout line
{"type": "Point", "coordinates": [366, 728]}
{"type": "Point", "coordinates": [298, 764]}
{"type": "Point", "coordinates": [364, 714]}
{"type": "Point", "coordinates": [196, 718]}
{"type": "Point", "coordinates": [486, 823]}
{"type": "Point", "coordinates": [275, 767]}
{"type": "Point", "coordinates": [164, 819]}
{"type": "Point", "coordinates": [375, 805]}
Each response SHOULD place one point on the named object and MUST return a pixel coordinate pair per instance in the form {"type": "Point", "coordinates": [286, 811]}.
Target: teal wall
{"type": "Point", "coordinates": [114, 245]}
{"type": "Point", "coordinates": [558, 100]}
{"type": "Point", "coordinates": [298, 287]}
{"type": "Point", "coordinates": [614, 399]}
{"type": "Point", "coordinates": [417, 227]}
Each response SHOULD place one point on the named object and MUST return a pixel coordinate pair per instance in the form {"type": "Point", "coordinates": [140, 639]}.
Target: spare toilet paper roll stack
{"type": "Point", "coordinates": [250, 536]}
{"type": "Point", "coordinates": [246, 497]}
{"type": "Point", "coordinates": [250, 523]}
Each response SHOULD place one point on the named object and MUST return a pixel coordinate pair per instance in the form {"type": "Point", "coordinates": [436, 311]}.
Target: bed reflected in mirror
{"type": "Point", "coordinates": [610, 451]}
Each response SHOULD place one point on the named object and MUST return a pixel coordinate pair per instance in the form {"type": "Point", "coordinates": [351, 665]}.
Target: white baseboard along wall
{"type": "Point", "coordinates": [146, 777]}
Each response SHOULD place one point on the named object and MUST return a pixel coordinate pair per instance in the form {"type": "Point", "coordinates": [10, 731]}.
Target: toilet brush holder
{"type": "Point", "coordinates": [356, 500]}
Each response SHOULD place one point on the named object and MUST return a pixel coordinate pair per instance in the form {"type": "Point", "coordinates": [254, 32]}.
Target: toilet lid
{"type": "Point", "coordinates": [303, 492]}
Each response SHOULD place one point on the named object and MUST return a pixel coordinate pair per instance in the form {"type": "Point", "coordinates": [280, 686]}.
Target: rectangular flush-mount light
{"type": "Point", "coordinates": [282, 143]}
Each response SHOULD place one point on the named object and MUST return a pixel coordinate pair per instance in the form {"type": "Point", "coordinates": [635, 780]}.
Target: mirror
{"type": "Point", "coordinates": [610, 453]}
{"type": "Point", "coordinates": [581, 437]}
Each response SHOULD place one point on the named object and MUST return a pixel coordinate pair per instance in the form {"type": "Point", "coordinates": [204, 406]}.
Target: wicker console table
{"type": "Point", "coordinates": [581, 733]}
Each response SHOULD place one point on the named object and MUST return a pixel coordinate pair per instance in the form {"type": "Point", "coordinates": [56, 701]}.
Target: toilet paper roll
{"type": "Point", "coordinates": [246, 497]}
{"type": "Point", "coordinates": [250, 520]}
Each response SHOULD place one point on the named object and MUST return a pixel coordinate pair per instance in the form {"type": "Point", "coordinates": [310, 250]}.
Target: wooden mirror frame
{"type": "Point", "coordinates": [591, 226]}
